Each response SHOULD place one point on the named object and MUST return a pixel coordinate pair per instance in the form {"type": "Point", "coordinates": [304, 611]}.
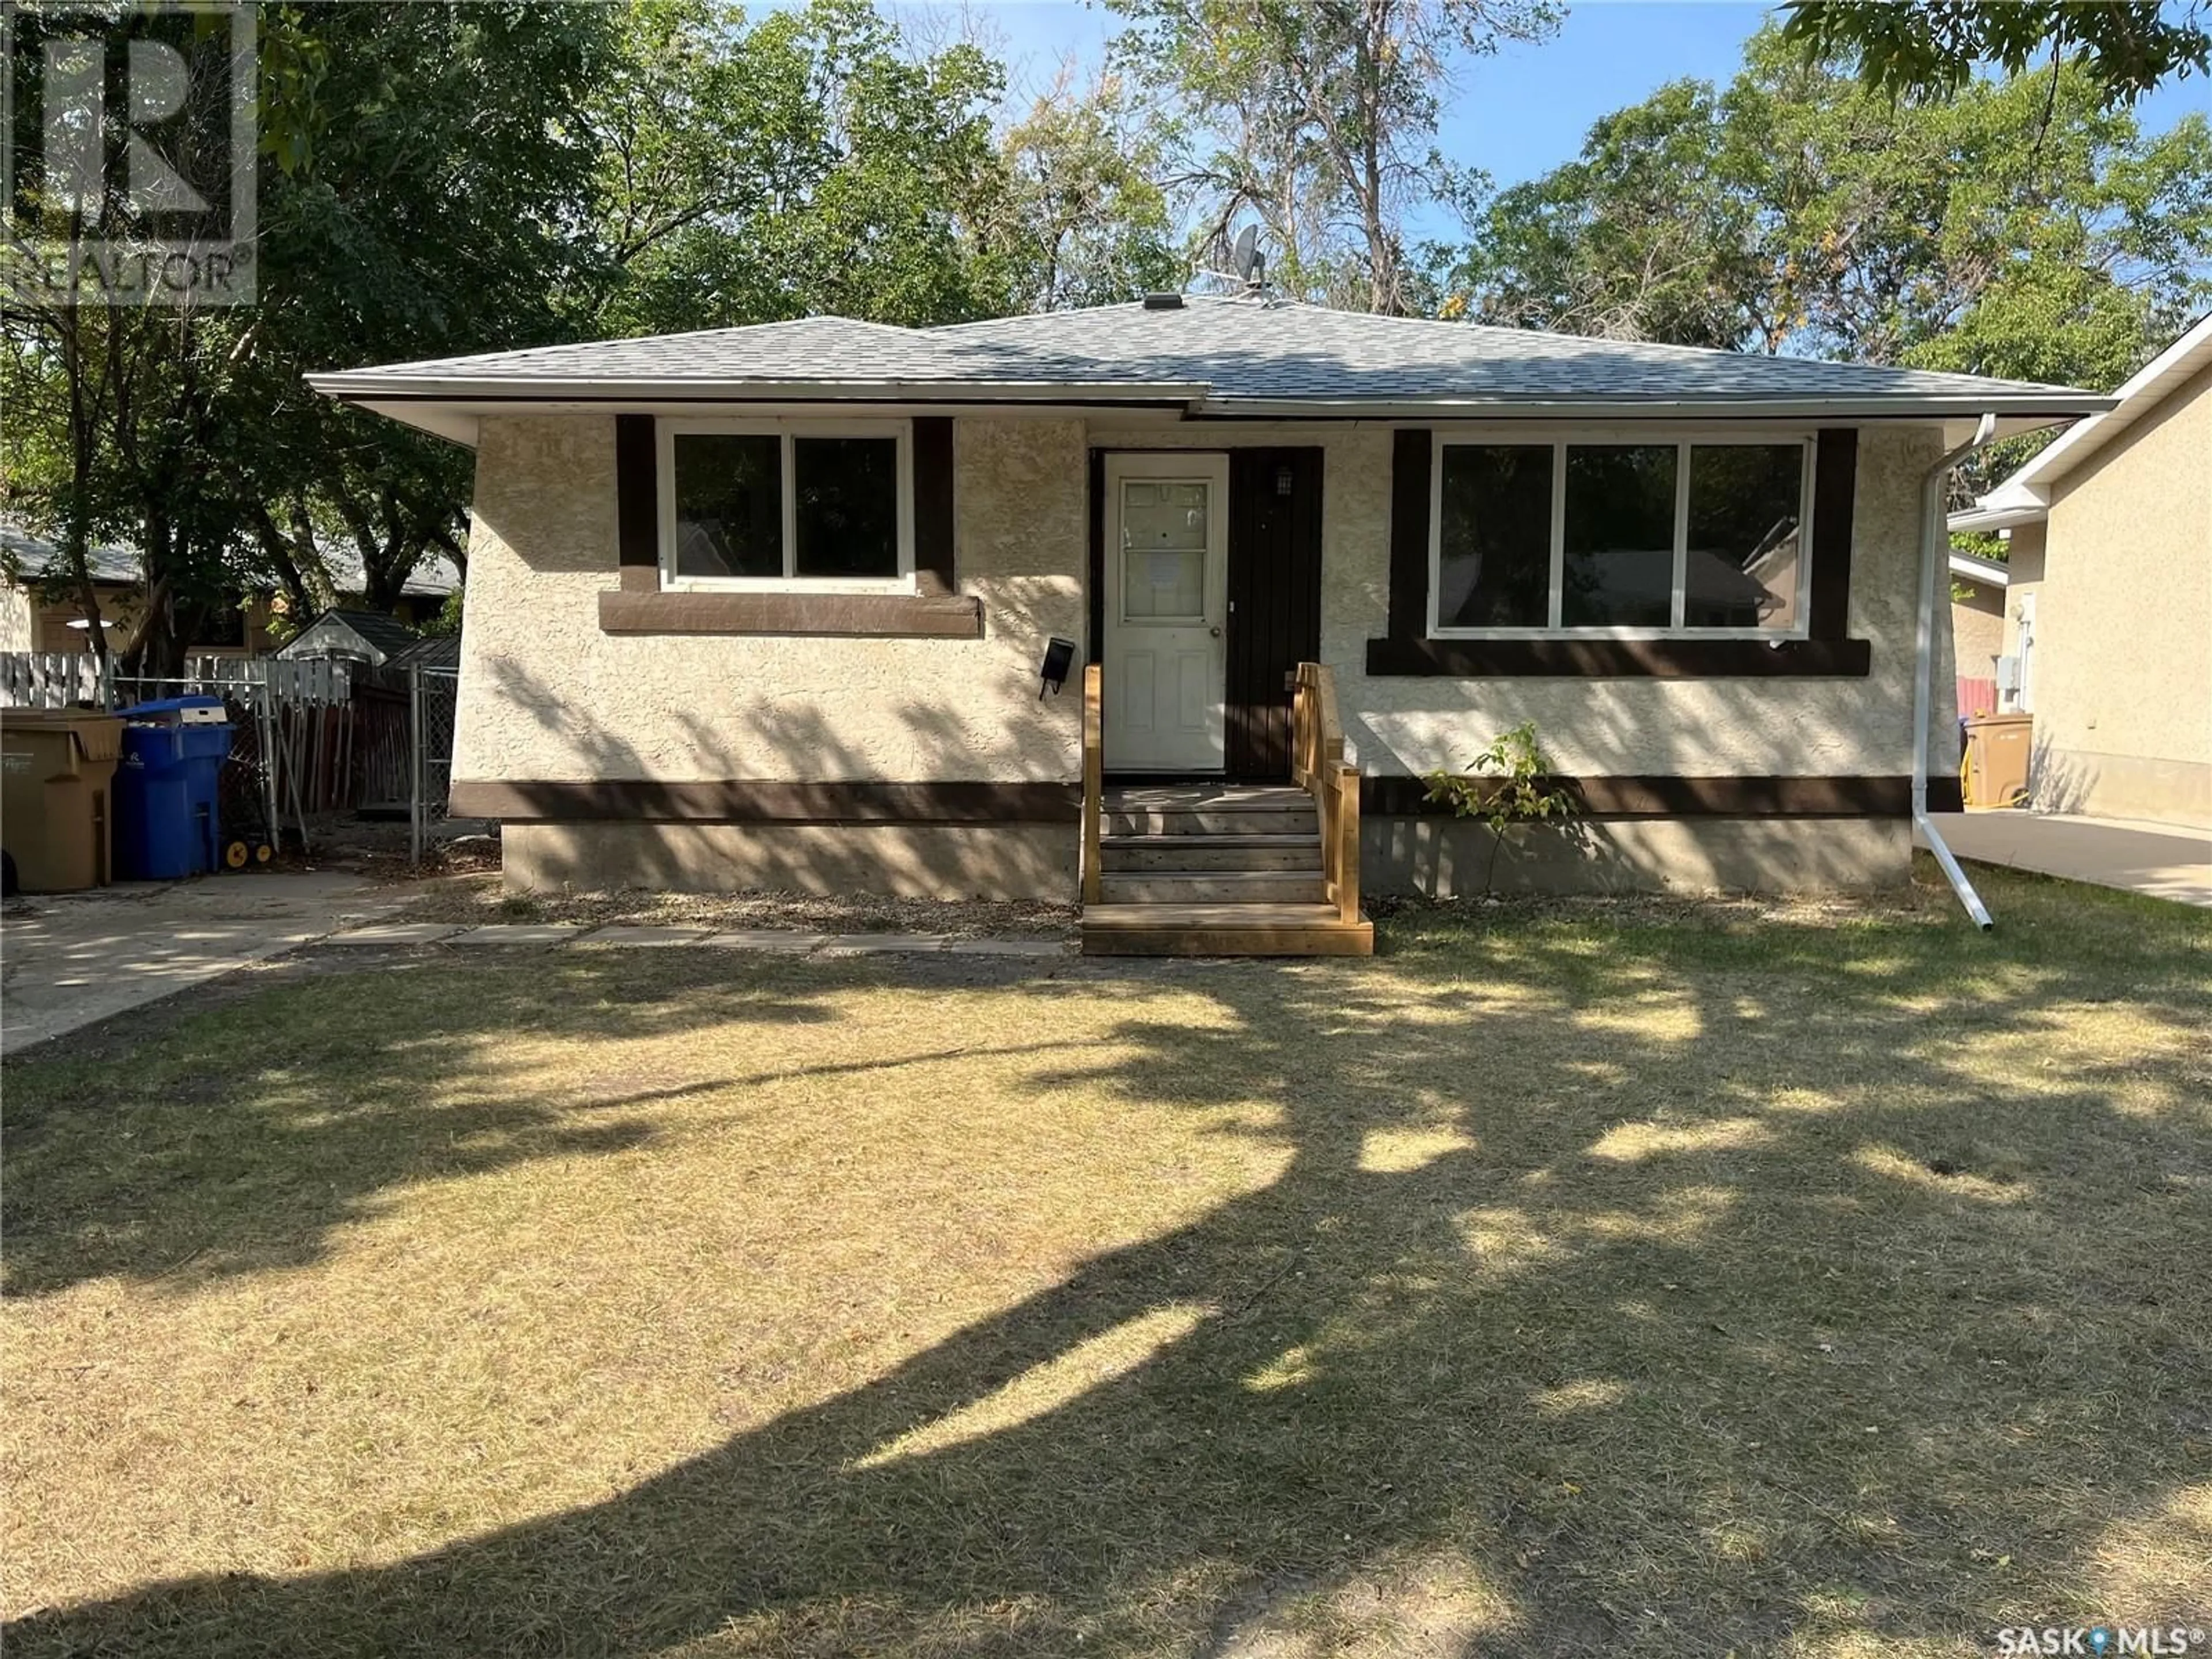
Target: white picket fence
{"type": "Point", "coordinates": [52, 679]}
{"type": "Point", "coordinates": [65, 679]}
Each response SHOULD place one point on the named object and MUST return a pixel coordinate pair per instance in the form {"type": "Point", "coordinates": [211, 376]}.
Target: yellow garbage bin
{"type": "Point", "coordinates": [56, 769]}
{"type": "Point", "coordinates": [1997, 749]}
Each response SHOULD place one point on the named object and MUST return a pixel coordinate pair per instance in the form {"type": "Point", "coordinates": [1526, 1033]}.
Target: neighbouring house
{"type": "Point", "coordinates": [36, 614]}
{"type": "Point", "coordinates": [1977, 627]}
{"type": "Point", "coordinates": [2108, 597]}
{"type": "Point", "coordinates": [359, 637]}
{"type": "Point", "coordinates": [767, 606]}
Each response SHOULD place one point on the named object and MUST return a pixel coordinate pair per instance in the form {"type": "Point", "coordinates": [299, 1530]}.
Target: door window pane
{"type": "Point", "coordinates": [729, 505]}
{"type": "Point", "coordinates": [1170, 514]}
{"type": "Point", "coordinates": [1494, 553]}
{"type": "Point", "coordinates": [1164, 529]}
{"type": "Point", "coordinates": [1746, 548]}
{"type": "Point", "coordinates": [1620, 570]}
{"type": "Point", "coordinates": [847, 501]}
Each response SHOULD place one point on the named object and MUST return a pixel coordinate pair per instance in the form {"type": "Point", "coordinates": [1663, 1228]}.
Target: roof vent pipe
{"type": "Point", "coordinates": [1934, 543]}
{"type": "Point", "coordinates": [1163, 302]}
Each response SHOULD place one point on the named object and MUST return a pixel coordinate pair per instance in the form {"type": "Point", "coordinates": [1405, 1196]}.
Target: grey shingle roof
{"type": "Point", "coordinates": [1213, 352]}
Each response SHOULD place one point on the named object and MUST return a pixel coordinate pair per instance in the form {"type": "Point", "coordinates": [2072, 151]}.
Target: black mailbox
{"type": "Point", "coordinates": [1059, 658]}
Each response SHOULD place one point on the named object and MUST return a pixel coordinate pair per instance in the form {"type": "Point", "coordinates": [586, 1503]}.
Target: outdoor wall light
{"type": "Point", "coordinates": [1059, 658]}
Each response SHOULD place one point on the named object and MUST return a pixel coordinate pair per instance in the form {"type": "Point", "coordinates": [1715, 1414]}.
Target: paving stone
{"type": "Point", "coordinates": [634, 937]}
{"type": "Point", "coordinates": [858, 945]}
{"type": "Point", "coordinates": [1010, 947]}
{"type": "Point", "coordinates": [519, 932]}
{"type": "Point", "coordinates": [396, 933]}
{"type": "Point", "coordinates": [769, 939]}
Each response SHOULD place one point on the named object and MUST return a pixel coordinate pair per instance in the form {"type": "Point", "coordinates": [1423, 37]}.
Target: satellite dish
{"type": "Point", "coordinates": [1244, 259]}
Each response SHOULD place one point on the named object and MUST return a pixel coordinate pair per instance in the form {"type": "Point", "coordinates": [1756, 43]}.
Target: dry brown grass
{"type": "Point", "coordinates": [476, 897]}
{"type": "Point", "coordinates": [1566, 1280]}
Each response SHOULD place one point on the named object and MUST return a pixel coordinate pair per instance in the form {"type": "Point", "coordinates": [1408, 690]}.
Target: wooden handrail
{"type": "Point", "coordinates": [1318, 765]}
{"type": "Point", "coordinates": [1094, 774]}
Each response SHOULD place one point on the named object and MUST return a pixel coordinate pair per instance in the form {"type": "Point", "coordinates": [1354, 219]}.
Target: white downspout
{"type": "Point", "coordinates": [1935, 542]}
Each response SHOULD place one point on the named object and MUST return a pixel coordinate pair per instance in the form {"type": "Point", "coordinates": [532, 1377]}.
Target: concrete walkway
{"type": "Point", "coordinates": [67, 959]}
{"type": "Point", "coordinates": [2165, 860]}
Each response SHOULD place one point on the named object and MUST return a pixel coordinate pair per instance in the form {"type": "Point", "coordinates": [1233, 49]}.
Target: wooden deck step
{"type": "Point", "coordinates": [1217, 797]}
{"type": "Point", "coordinates": [1298, 886]}
{"type": "Point", "coordinates": [1209, 821]}
{"type": "Point", "coordinates": [1191, 852]}
{"type": "Point", "coordinates": [1224, 930]}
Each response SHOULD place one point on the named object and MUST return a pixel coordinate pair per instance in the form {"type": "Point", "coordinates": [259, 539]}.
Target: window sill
{"type": "Point", "coordinates": [882, 616]}
{"type": "Point", "coordinates": [1605, 658]}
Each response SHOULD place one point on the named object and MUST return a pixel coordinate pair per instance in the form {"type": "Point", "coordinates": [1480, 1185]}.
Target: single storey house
{"type": "Point", "coordinates": [2107, 585]}
{"type": "Point", "coordinates": [774, 606]}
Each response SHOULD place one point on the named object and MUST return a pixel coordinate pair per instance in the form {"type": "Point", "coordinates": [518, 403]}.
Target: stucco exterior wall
{"type": "Point", "coordinates": [546, 695]}
{"type": "Point", "coordinates": [1978, 630]}
{"type": "Point", "coordinates": [1726, 727]}
{"type": "Point", "coordinates": [2123, 691]}
{"type": "Point", "coordinates": [17, 611]}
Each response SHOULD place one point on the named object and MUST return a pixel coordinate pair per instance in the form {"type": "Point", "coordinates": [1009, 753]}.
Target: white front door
{"type": "Point", "coordinates": [1167, 518]}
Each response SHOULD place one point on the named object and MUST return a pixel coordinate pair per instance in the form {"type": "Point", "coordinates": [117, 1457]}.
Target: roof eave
{"type": "Point", "coordinates": [2042, 407]}
{"type": "Point", "coordinates": [358, 387]}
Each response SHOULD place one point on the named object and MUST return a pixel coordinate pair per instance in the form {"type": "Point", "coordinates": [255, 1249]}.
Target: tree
{"type": "Point", "coordinates": [1320, 117]}
{"type": "Point", "coordinates": [807, 163]}
{"type": "Point", "coordinates": [2021, 230]}
{"type": "Point", "coordinates": [414, 201]}
{"type": "Point", "coordinates": [1086, 220]}
{"type": "Point", "coordinates": [2122, 47]}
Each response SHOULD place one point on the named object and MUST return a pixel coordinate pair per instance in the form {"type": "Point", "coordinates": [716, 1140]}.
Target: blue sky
{"type": "Point", "coordinates": [1514, 115]}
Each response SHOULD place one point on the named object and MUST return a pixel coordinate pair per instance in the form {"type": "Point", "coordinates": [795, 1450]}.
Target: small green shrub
{"type": "Point", "coordinates": [1509, 788]}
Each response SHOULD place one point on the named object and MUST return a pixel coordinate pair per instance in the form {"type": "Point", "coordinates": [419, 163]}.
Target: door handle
{"type": "Point", "coordinates": [1216, 632]}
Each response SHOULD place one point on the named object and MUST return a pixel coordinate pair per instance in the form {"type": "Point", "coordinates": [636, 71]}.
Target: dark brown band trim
{"type": "Point", "coordinates": [744, 801]}
{"type": "Point", "coordinates": [1659, 797]}
{"type": "Point", "coordinates": [739, 800]}
{"type": "Point", "coordinates": [932, 505]}
{"type": "Point", "coordinates": [1412, 458]}
{"type": "Point", "coordinates": [901, 615]}
{"type": "Point", "coordinates": [1835, 487]}
{"type": "Point", "coordinates": [637, 492]}
{"type": "Point", "coordinates": [1666, 659]}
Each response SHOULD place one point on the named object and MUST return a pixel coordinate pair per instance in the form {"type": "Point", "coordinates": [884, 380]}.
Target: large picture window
{"type": "Point", "coordinates": [799, 504]}
{"type": "Point", "coordinates": [1632, 538]}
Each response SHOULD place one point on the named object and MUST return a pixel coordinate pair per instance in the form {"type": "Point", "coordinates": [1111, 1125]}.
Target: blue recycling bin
{"type": "Point", "coordinates": [168, 812]}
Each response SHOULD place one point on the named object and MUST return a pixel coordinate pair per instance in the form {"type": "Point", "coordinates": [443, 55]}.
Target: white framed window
{"type": "Point", "coordinates": [1622, 534]}
{"type": "Point", "coordinates": [798, 505]}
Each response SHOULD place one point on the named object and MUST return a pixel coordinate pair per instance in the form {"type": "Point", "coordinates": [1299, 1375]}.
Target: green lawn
{"type": "Point", "coordinates": [1573, 1280]}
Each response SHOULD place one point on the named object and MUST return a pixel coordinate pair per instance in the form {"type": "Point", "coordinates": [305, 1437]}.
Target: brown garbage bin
{"type": "Point", "coordinates": [56, 767]}
{"type": "Point", "coordinates": [1995, 770]}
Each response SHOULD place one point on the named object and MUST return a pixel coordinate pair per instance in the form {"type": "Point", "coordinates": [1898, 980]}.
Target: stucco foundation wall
{"type": "Point", "coordinates": [1755, 728]}
{"type": "Point", "coordinates": [940, 861]}
{"type": "Point", "coordinates": [544, 694]}
{"type": "Point", "coordinates": [1449, 857]}
{"type": "Point", "coordinates": [2123, 689]}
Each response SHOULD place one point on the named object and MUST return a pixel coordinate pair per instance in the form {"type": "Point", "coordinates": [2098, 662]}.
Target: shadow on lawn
{"type": "Point", "coordinates": [1624, 1344]}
